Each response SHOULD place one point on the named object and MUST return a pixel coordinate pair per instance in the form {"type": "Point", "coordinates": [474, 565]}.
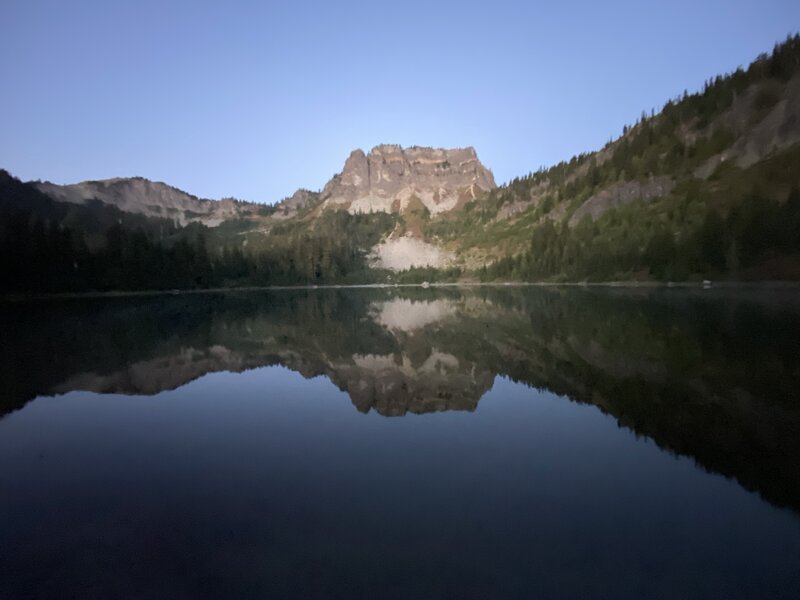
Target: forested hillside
{"type": "Point", "coordinates": [709, 186]}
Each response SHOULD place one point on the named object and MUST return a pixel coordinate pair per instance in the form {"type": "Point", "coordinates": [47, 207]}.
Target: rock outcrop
{"type": "Point", "coordinates": [289, 207]}
{"type": "Point", "coordinates": [389, 176]}
{"type": "Point", "coordinates": [620, 194]}
{"type": "Point", "coordinates": [152, 199]}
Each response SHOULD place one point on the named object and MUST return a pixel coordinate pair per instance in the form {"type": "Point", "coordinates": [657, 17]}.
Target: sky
{"type": "Point", "coordinates": [257, 99]}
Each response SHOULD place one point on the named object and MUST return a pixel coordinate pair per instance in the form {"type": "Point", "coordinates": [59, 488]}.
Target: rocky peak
{"type": "Point", "coordinates": [390, 175]}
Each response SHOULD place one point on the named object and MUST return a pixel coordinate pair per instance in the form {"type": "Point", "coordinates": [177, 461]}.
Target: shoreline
{"type": "Point", "coordinates": [777, 285]}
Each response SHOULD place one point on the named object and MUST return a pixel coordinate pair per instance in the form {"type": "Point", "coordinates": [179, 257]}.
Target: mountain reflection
{"type": "Point", "coordinates": [703, 373]}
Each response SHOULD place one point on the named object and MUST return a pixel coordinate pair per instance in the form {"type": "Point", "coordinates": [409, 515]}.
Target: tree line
{"type": "Point", "coordinates": [45, 248]}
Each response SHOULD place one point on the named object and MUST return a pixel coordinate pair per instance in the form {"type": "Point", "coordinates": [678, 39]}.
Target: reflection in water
{"type": "Point", "coordinates": [227, 465]}
{"type": "Point", "coordinates": [706, 374]}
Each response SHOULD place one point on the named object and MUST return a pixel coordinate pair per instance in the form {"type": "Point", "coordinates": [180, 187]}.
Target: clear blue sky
{"type": "Point", "coordinates": [256, 99]}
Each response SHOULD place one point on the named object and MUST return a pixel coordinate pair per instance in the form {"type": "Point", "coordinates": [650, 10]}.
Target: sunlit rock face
{"type": "Point", "coordinates": [390, 177]}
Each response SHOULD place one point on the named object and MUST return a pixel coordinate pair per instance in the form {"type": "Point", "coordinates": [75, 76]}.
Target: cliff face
{"type": "Point", "coordinates": [150, 198]}
{"type": "Point", "coordinates": [389, 177]}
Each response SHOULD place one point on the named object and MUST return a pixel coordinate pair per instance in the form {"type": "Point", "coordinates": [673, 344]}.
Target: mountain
{"type": "Point", "coordinates": [151, 198]}
{"type": "Point", "coordinates": [390, 179]}
{"type": "Point", "coordinates": [417, 183]}
{"type": "Point", "coordinates": [708, 187]}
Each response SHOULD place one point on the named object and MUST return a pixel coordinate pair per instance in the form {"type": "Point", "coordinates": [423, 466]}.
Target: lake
{"type": "Point", "coordinates": [402, 443]}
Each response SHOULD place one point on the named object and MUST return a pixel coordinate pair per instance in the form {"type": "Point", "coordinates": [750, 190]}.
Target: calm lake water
{"type": "Point", "coordinates": [368, 443]}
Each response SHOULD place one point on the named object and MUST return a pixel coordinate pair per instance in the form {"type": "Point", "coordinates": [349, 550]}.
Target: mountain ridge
{"type": "Point", "coordinates": [150, 198]}
{"type": "Point", "coordinates": [707, 187]}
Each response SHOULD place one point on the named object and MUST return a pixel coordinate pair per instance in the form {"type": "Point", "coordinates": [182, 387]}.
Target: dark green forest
{"type": "Point", "coordinates": [745, 240]}
{"type": "Point", "coordinates": [49, 246]}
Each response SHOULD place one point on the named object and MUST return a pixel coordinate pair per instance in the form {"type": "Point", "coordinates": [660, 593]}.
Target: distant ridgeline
{"type": "Point", "coordinates": [709, 187]}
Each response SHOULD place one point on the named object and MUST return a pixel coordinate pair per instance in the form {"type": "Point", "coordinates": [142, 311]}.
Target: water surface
{"type": "Point", "coordinates": [402, 443]}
